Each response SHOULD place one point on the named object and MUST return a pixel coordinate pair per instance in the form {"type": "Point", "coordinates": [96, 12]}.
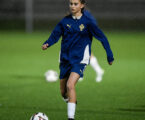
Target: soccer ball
{"type": "Point", "coordinates": [51, 76]}
{"type": "Point", "coordinates": [39, 116]}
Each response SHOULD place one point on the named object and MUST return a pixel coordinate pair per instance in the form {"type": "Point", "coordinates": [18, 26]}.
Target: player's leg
{"type": "Point", "coordinates": [63, 89]}
{"type": "Point", "coordinates": [64, 74]}
{"type": "Point", "coordinates": [97, 68]}
{"type": "Point", "coordinates": [73, 78]}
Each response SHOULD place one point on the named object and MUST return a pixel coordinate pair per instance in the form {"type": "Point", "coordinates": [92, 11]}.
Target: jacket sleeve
{"type": "Point", "coordinates": [98, 34]}
{"type": "Point", "coordinates": [55, 35]}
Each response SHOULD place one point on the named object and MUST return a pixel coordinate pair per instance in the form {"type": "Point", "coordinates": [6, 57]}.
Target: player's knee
{"type": "Point", "coordinates": [70, 86]}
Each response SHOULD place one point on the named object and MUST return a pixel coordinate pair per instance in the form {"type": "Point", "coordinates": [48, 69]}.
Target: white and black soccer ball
{"type": "Point", "coordinates": [39, 116]}
{"type": "Point", "coordinates": [51, 76]}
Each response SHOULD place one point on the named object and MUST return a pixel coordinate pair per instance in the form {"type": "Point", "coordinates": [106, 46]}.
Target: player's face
{"type": "Point", "coordinates": [75, 6]}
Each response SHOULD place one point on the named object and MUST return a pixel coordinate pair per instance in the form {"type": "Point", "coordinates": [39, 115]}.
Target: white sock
{"type": "Point", "coordinates": [71, 107]}
{"type": "Point", "coordinates": [95, 65]}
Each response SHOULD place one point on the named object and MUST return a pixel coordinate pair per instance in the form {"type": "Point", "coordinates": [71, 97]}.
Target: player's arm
{"type": "Point", "coordinates": [98, 34]}
{"type": "Point", "coordinates": [54, 37]}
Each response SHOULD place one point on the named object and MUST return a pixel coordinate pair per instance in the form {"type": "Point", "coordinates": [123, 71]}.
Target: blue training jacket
{"type": "Point", "coordinates": [77, 39]}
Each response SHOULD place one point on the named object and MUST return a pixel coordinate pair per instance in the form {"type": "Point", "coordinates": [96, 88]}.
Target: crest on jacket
{"type": "Point", "coordinates": [81, 27]}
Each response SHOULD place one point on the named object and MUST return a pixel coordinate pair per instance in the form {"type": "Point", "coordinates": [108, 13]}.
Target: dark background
{"type": "Point", "coordinates": [110, 14]}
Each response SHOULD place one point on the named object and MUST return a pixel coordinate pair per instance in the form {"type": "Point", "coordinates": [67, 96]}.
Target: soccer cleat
{"type": "Point", "coordinates": [70, 119]}
{"type": "Point", "coordinates": [99, 76]}
{"type": "Point", "coordinates": [65, 99]}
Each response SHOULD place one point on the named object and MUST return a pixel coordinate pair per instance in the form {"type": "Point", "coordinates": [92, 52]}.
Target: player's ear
{"type": "Point", "coordinates": [82, 6]}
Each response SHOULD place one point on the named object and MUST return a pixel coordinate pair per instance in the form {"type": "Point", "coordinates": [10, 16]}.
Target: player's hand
{"type": "Point", "coordinates": [110, 60]}
{"type": "Point", "coordinates": [110, 63]}
{"type": "Point", "coordinates": [45, 46]}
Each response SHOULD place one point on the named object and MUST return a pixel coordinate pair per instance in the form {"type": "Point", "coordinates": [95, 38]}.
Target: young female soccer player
{"type": "Point", "coordinates": [77, 30]}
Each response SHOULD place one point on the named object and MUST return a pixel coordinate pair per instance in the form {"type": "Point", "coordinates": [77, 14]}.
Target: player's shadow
{"type": "Point", "coordinates": [132, 109]}
{"type": "Point", "coordinates": [36, 77]}
{"type": "Point", "coordinates": [31, 108]}
{"type": "Point", "coordinates": [142, 106]}
{"type": "Point", "coordinates": [120, 111]}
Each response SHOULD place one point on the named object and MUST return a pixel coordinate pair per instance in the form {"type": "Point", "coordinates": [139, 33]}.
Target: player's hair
{"type": "Point", "coordinates": [83, 2]}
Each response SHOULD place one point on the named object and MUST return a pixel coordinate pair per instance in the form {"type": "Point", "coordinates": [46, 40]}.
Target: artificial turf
{"type": "Point", "coordinates": [24, 91]}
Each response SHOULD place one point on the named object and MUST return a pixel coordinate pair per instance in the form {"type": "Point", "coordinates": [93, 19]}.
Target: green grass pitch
{"type": "Point", "coordinates": [24, 91]}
